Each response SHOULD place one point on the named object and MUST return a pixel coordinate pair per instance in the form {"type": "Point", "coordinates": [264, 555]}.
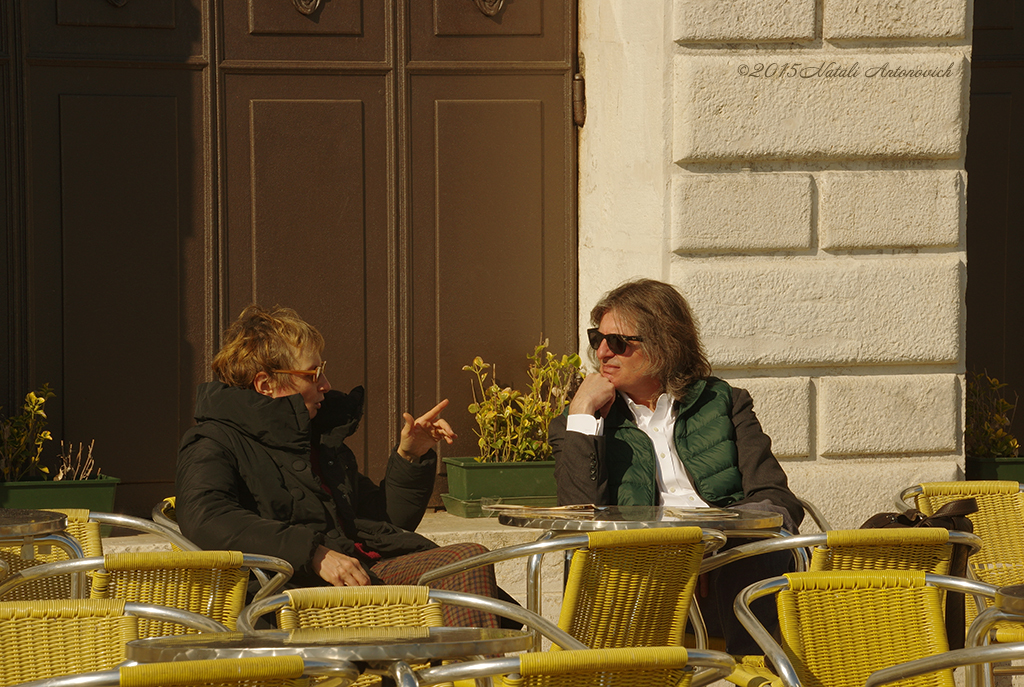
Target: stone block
{"type": "Point", "coordinates": [741, 212]}
{"type": "Point", "coordinates": [848, 491]}
{"type": "Point", "coordinates": [846, 19]}
{"type": "Point", "coordinates": [792, 106]}
{"type": "Point", "coordinates": [764, 20]}
{"type": "Point", "coordinates": [836, 311]}
{"type": "Point", "coordinates": [889, 209]}
{"type": "Point", "coordinates": [783, 407]}
{"type": "Point", "coordinates": [888, 414]}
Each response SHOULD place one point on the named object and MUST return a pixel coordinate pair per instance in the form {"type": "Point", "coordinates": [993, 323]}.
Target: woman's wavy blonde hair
{"type": "Point", "coordinates": [663, 319]}
{"type": "Point", "coordinates": [263, 340]}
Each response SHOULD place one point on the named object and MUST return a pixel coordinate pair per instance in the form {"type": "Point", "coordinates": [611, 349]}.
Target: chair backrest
{"type": "Point", "coordinates": [211, 583]}
{"type": "Point", "coordinates": [43, 639]}
{"type": "Point", "coordinates": [999, 522]}
{"type": "Point", "coordinates": [839, 627]}
{"type": "Point", "coordinates": [49, 639]}
{"type": "Point", "coordinates": [373, 606]}
{"type": "Point", "coordinates": [923, 548]}
{"type": "Point", "coordinates": [632, 587]}
{"type": "Point", "coordinates": [79, 526]}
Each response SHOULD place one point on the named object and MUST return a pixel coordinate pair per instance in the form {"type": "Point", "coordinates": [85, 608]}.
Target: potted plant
{"type": "Point", "coordinates": [991, 451]}
{"type": "Point", "coordinates": [25, 482]}
{"type": "Point", "coordinates": [514, 463]}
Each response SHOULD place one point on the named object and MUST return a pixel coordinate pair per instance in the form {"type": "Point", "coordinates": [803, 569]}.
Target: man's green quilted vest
{"type": "Point", "coordinates": [705, 441]}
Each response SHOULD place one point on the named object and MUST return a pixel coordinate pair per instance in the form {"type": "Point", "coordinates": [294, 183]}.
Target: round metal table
{"type": "Point", "coordinates": [731, 521]}
{"type": "Point", "coordinates": [383, 649]}
{"type": "Point", "coordinates": [31, 528]}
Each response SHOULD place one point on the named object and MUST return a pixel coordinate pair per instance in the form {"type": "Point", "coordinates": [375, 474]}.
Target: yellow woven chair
{"type": "Point", "coordinates": [999, 522]}
{"type": "Point", "coordinates": [46, 639]}
{"type": "Point", "coordinates": [625, 587]}
{"type": "Point", "coordinates": [79, 526]}
{"type": "Point", "coordinates": [622, 667]}
{"type": "Point", "coordinates": [211, 583]}
{"type": "Point", "coordinates": [928, 549]}
{"type": "Point", "coordinates": [163, 514]}
{"type": "Point", "coordinates": [381, 607]}
{"type": "Point", "coordinates": [85, 526]}
{"type": "Point", "coordinates": [372, 606]}
{"type": "Point", "coordinates": [263, 671]}
{"type": "Point", "coordinates": [839, 627]}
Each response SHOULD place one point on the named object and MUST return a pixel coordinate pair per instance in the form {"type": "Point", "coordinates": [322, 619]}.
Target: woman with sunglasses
{"type": "Point", "coordinates": [266, 470]}
{"type": "Point", "coordinates": [653, 427]}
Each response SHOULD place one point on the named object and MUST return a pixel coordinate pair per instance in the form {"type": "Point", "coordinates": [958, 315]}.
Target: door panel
{"type": "Point", "coordinates": [353, 30]}
{"type": "Point", "coordinates": [488, 178]}
{"type": "Point", "coordinates": [446, 31]}
{"type": "Point", "coordinates": [164, 29]}
{"type": "Point", "coordinates": [307, 212]}
{"type": "Point", "coordinates": [116, 264]}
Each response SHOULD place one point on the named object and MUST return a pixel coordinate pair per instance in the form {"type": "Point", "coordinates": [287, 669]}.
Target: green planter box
{"type": "Point", "coordinates": [94, 494]}
{"type": "Point", "coordinates": [469, 480]}
{"type": "Point", "coordinates": [1008, 468]}
{"type": "Point", "coordinates": [475, 508]}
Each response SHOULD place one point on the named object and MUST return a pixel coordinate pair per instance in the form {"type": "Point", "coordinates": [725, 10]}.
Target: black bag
{"type": "Point", "coordinates": [951, 516]}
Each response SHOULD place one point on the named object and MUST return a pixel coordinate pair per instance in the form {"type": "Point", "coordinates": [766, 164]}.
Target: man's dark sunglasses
{"type": "Point", "coordinates": [617, 343]}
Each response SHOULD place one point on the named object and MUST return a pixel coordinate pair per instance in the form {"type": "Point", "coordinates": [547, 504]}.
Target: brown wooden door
{"type": "Point", "coordinates": [403, 174]}
{"type": "Point", "coordinates": [427, 161]}
{"type": "Point", "coordinates": [116, 206]}
{"type": "Point", "coordinates": [995, 196]}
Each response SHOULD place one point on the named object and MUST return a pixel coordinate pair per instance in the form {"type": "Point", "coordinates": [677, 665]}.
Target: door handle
{"type": "Point", "coordinates": [306, 6]}
{"type": "Point", "coordinates": [489, 7]}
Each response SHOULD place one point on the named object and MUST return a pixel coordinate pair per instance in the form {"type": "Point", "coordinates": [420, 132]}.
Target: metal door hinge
{"type": "Point", "coordinates": [579, 100]}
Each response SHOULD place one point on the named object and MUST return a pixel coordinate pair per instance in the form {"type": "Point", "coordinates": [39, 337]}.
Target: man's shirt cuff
{"type": "Point", "coordinates": [585, 424]}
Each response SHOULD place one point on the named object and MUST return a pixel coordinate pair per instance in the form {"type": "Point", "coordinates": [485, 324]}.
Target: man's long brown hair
{"type": "Point", "coordinates": [663, 319]}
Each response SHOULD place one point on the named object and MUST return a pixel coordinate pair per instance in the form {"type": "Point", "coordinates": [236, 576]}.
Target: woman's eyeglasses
{"type": "Point", "coordinates": [314, 373]}
{"type": "Point", "coordinates": [617, 343]}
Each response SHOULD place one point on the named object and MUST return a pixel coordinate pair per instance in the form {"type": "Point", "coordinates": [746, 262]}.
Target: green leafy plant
{"type": "Point", "coordinates": [22, 437]}
{"type": "Point", "coordinates": [512, 425]}
{"type": "Point", "coordinates": [988, 417]}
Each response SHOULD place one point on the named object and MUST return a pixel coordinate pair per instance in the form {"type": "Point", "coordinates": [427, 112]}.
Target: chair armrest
{"type": "Point", "coordinates": [816, 515]}
{"type": "Point", "coordinates": [796, 542]}
{"type": "Point", "coordinates": [539, 547]}
{"type": "Point", "coordinates": [951, 659]}
{"type": "Point", "coordinates": [174, 615]}
{"type": "Point", "coordinates": [160, 517]}
{"type": "Point", "coordinates": [142, 525]}
{"type": "Point", "coordinates": [741, 606]}
{"type": "Point", "coordinates": [522, 615]}
{"type": "Point", "coordinates": [259, 563]}
{"type": "Point", "coordinates": [562, 662]}
{"type": "Point", "coordinates": [66, 567]}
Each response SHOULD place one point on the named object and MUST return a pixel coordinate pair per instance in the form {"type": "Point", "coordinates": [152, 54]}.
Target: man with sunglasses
{"type": "Point", "coordinates": [653, 427]}
{"type": "Point", "coordinates": [266, 470]}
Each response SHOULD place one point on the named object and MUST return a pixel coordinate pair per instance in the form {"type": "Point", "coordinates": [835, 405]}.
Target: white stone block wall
{"type": "Point", "coordinates": [796, 168]}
